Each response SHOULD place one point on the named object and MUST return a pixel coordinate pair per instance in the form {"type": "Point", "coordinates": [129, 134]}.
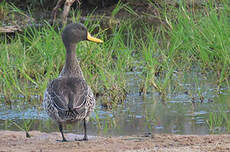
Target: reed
{"type": "Point", "coordinates": [191, 39]}
{"type": "Point", "coordinates": [25, 126]}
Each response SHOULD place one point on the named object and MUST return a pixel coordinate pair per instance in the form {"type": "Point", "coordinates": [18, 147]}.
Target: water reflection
{"type": "Point", "coordinates": [138, 115]}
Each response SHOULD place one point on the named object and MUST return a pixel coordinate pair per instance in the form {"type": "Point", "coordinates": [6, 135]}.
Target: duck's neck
{"type": "Point", "coordinates": [72, 67]}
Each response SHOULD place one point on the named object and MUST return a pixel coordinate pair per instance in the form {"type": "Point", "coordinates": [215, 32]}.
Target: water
{"type": "Point", "coordinates": [179, 113]}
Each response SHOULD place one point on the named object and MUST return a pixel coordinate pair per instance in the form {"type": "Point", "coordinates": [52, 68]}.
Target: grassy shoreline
{"type": "Point", "coordinates": [192, 39]}
{"type": "Point", "coordinates": [185, 41]}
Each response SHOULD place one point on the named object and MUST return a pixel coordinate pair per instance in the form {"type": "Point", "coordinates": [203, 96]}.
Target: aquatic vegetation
{"type": "Point", "coordinates": [159, 51]}
{"type": "Point", "coordinates": [192, 41]}
{"type": "Point", "coordinates": [27, 123]}
{"type": "Point", "coordinates": [34, 57]}
{"type": "Point", "coordinates": [186, 41]}
{"type": "Point", "coordinates": [219, 120]}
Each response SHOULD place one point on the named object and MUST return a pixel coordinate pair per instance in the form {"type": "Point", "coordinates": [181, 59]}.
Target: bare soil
{"type": "Point", "coordinates": [15, 141]}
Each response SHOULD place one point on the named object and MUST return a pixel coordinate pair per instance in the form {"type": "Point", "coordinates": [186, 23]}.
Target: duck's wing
{"type": "Point", "coordinates": [69, 94]}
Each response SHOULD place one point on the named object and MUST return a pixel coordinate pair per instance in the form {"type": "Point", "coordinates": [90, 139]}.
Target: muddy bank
{"type": "Point", "coordinates": [42, 142]}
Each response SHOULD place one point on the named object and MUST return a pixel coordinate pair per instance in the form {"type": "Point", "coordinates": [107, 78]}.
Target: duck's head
{"type": "Point", "coordinates": [76, 32]}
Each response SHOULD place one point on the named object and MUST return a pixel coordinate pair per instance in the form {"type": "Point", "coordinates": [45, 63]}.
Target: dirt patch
{"type": "Point", "coordinates": [45, 142]}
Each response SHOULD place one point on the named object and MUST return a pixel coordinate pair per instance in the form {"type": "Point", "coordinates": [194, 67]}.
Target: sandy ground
{"type": "Point", "coordinates": [11, 141]}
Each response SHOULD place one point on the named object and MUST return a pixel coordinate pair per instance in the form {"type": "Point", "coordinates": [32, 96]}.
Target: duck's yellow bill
{"type": "Point", "coordinates": [93, 39]}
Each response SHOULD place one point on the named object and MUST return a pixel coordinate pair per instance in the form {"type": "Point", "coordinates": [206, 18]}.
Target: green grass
{"type": "Point", "coordinates": [219, 120]}
{"type": "Point", "coordinates": [190, 40]}
{"type": "Point", "coordinates": [26, 126]}
{"type": "Point", "coordinates": [194, 39]}
{"type": "Point", "coordinates": [36, 56]}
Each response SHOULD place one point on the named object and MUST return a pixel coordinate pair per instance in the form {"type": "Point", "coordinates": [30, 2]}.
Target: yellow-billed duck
{"type": "Point", "coordinates": [68, 98]}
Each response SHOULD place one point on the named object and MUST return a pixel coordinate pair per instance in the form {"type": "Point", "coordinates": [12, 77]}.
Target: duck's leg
{"type": "Point", "coordinates": [62, 134]}
{"type": "Point", "coordinates": [85, 131]}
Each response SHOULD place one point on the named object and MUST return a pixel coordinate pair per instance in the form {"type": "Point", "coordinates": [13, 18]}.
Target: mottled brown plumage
{"type": "Point", "coordinates": [68, 98]}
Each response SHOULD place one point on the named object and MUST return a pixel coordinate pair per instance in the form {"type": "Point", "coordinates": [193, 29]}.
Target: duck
{"type": "Point", "coordinates": [68, 98]}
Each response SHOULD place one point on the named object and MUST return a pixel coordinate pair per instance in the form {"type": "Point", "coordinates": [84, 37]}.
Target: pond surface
{"type": "Point", "coordinates": [140, 114]}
